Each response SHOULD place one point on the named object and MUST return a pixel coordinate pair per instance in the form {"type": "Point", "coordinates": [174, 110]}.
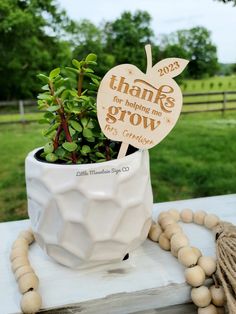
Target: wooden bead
{"type": "Point", "coordinates": [208, 264]}
{"type": "Point", "coordinates": [27, 235]}
{"type": "Point", "coordinates": [20, 242]}
{"type": "Point", "coordinates": [165, 221]}
{"type": "Point", "coordinates": [178, 241]}
{"type": "Point", "coordinates": [18, 252]}
{"type": "Point", "coordinates": [187, 257]}
{"type": "Point", "coordinates": [164, 242]}
{"type": "Point", "coordinates": [174, 252]}
{"type": "Point", "coordinates": [155, 232]}
{"type": "Point", "coordinates": [197, 251]}
{"type": "Point", "coordinates": [22, 271]}
{"type": "Point", "coordinates": [172, 229]}
{"type": "Point", "coordinates": [218, 295]}
{"type": "Point", "coordinates": [186, 215]}
{"type": "Point", "coordinates": [162, 215]}
{"type": "Point", "coordinates": [19, 262]}
{"type": "Point", "coordinates": [28, 282]}
{"type": "Point", "coordinates": [201, 296]}
{"type": "Point", "coordinates": [174, 214]}
{"type": "Point", "coordinates": [211, 221]}
{"type": "Point", "coordinates": [31, 302]}
{"type": "Point", "coordinates": [210, 309]}
{"type": "Point", "coordinates": [195, 276]}
{"type": "Point", "coordinates": [199, 216]}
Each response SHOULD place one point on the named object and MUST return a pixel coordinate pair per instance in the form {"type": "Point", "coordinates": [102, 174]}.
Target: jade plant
{"type": "Point", "coordinates": [68, 99]}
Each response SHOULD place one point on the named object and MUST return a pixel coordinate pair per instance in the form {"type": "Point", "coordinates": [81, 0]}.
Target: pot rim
{"type": "Point", "coordinates": [126, 158]}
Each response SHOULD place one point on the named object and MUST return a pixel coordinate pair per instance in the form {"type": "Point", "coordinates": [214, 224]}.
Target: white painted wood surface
{"type": "Point", "coordinates": [149, 279]}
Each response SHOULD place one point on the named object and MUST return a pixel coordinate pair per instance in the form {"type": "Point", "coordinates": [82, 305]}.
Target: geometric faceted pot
{"type": "Point", "coordinates": [89, 214]}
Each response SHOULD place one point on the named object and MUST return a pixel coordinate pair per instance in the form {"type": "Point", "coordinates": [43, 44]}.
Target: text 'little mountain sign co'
{"type": "Point", "coordinates": [140, 108]}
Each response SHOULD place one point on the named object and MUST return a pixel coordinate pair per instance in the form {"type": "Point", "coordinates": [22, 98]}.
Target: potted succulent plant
{"type": "Point", "coordinates": [86, 206]}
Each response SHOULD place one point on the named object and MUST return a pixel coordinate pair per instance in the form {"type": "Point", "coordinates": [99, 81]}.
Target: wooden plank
{"type": "Point", "coordinates": [209, 93]}
{"type": "Point", "coordinates": [208, 102]}
{"type": "Point", "coordinates": [198, 111]}
{"type": "Point", "coordinates": [150, 279]}
{"type": "Point", "coordinates": [188, 308]}
{"type": "Point", "coordinates": [16, 102]}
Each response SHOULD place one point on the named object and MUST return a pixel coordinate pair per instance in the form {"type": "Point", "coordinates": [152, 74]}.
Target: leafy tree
{"type": "Point", "coordinates": [226, 1]}
{"type": "Point", "coordinates": [87, 37]}
{"type": "Point", "coordinates": [126, 37]}
{"type": "Point", "coordinates": [233, 67]}
{"type": "Point", "coordinates": [195, 45]}
{"type": "Point", "coordinates": [29, 42]}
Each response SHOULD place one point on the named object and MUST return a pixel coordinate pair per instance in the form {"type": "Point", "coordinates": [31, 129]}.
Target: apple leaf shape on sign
{"type": "Point", "coordinates": [140, 108]}
{"type": "Point", "coordinates": [169, 67]}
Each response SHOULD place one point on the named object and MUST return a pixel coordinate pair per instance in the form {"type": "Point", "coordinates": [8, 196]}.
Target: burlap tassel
{"type": "Point", "coordinates": [226, 261]}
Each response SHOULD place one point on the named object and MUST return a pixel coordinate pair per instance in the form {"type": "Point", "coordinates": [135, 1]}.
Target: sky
{"type": "Point", "coordinates": [168, 16]}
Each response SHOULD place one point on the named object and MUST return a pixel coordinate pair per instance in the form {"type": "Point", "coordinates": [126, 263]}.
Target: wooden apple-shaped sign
{"type": "Point", "coordinates": [140, 108]}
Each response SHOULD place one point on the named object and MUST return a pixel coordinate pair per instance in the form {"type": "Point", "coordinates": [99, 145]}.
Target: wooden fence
{"type": "Point", "coordinates": [193, 103]}
{"type": "Point", "coordinates": [206, 102]}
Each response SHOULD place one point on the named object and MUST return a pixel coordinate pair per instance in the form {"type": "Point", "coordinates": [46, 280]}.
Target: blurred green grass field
{"type": "Point", "coordinates": [197, 159]}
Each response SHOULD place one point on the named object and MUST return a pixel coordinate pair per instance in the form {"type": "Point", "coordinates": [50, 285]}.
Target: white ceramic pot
{"type": "Point", "coordinates": [89, 214]}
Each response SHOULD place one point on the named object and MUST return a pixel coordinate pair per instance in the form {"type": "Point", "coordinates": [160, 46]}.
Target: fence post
{"type": "Point", "coordinates": [22, 111]}
{"type": "Point", "coordinates": [224, 103]}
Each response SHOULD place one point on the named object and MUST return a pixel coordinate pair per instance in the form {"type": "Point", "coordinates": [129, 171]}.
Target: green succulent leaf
{"type": "Point", "coordinates": [49, 115]}
{"type": "Point", "coordinates": [91, 57]}
{"type": "Point", "coordinates": [85, 150]}
{"type": "Point", "coordinates": [87, 133]}
{"type": "Point", "coordinates": [45, 96]}
{"type": "Point", "coordinates": [51, 129]}
{"type": "Point", "coordinates": [53, 108]}
{"type": "Point", "coordinates": [75, 125]}
{"type": "Point", "coordinates": [101, 160]}
{"type": "Point", "coordinates": [51, 157]}
{"type": "Point", "coordinates": [45, 87]}
{"type": "Point", "coordinates": [70, 146]}
{"type": "Point", "coordinates": [60, 90]}
{"type": "Point", "coordinates": [100, 155]}
{"type": "Point", "coordinates": [43, 78]}
{"type": "Point", "coordinates": [72, 131]}
{"type": "Point", "coordinates": [54, 73]}
{"type": "Point", "coordinates": [88, 70]}
{"type": "Point", "coordinates": [91, 139]}
{"type": "Point", "coordinates": [60, 152]}
{"type": "Point", "coordinates": [48, 148]}
{"type": "Point", "coordinates": [84, 121]}
{"type": "Point", "coordinates": [76, 63]}
{"type": "Point", "coordinates": [72, 70]}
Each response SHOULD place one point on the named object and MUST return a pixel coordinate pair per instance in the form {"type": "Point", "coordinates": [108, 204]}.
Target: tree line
{"type": "Point", "coordinates": [36, 36]}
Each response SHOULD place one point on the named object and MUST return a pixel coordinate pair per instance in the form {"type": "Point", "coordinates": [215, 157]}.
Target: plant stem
{"type": "Point", "coordinates": [80, 82]}
{"type": "Point", "coordinates": [63, 125]}
{"type": "Point", "coordinates": [67, 133]}
{"type": "Point", "coordinates": [56, 140]}
{"type": "Point", "coordinates": [108, 155]}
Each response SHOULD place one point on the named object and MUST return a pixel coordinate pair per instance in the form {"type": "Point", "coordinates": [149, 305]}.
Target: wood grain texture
{"type": "Point", "coordinates": [150, 281]}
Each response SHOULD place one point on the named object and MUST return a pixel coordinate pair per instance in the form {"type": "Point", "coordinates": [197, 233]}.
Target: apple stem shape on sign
{"type": "Point", "coordinates": [140, 109]}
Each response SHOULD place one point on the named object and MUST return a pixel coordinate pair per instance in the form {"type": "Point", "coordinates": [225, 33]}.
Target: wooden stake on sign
{"type": "Point", "coordinates": [137, 108]}
{"type": "Point", "coordinates": [124, 146]}
{"type": "Point", "coordinates": [123, 150]}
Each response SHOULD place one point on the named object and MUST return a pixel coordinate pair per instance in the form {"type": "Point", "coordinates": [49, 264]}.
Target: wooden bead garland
{"type": "Point", "coordinates": [27, 280]}
{"type": "Point", "coordinates": [198, 268]}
